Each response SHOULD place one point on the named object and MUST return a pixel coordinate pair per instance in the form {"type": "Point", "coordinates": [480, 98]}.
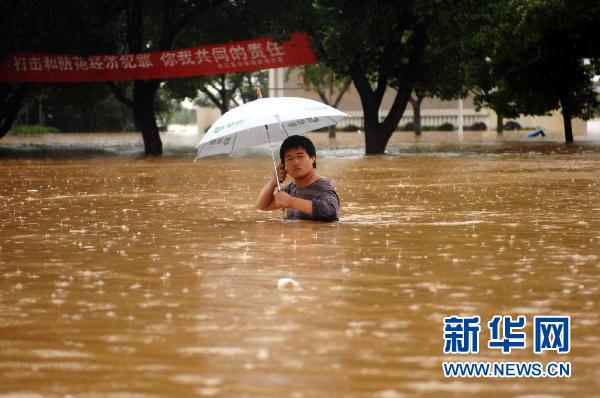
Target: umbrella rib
{"type": "Point", "coordinates": [234, 139]}
{"type": "Point", "coordinates": [328, 117]}
{"type": "Point", "coordinates": [199, 152]}
{"type": "Point", "coordinates": [284, 130]}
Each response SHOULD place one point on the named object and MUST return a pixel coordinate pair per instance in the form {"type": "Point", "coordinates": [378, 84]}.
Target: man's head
{"type": "Point", "coordinates": [298, 155]}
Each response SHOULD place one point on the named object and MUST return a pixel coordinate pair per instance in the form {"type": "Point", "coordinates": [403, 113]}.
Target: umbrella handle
{"type": "Point", "coordinates": [273, 157]}
{"type": "Point", "coordinates": [276, 176]}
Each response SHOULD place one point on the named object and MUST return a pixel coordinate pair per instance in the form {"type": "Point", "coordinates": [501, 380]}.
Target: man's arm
{"type": "Point", "coordinates": [266, 199]}
{"type": "Point", "coordinates": [284, 200]}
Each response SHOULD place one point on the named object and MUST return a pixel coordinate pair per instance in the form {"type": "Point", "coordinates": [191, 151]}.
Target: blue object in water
{"type": "Point", "coordinates": [535, 133]}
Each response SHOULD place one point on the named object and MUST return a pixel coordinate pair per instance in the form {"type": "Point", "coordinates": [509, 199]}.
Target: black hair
{"type": "Point", "coordinates": [297, 141]}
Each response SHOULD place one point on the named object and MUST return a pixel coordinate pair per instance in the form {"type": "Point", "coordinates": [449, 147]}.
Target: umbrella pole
{"type": "Point", "coordinates": [273, 157]}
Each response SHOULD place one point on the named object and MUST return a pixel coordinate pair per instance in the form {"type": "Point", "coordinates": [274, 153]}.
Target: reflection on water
{"type": "Point", "coordinates": [132, 277]}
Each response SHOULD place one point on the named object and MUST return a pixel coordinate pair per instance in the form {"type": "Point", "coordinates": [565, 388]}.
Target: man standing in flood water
{"type": "Point", "coordinates": [309, 196]}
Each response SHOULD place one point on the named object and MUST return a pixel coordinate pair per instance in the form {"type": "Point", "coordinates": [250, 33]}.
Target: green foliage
{"type": "Point", "coordinates": [540, 55]}
{"type": "Point", "coordinates": [322, 80]}
{"type": "Point", "coordinates": [220, 91]}
{"type": "Point", "coordinates": [164, 107]}
{"type": "Point", "coordinates": [252, 81]}
{"type": "Point", "coordinates": [50, 26]}
{"type": "Point", "coordinates": [183, 116]}
{"type": "Point", "coordinates": [518, 56]}
{"type": "Point", "coordinates": [34, 129]}
{"type": "Point", "coordinates": [406, 45]}
{"type": "Point", "coordinates": [69, 26]}
{"type": "Point", "coordinates": [84, 107]}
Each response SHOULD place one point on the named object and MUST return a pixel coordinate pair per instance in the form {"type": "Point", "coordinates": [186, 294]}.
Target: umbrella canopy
{"type": "Point", "coordinates": [263, 121]}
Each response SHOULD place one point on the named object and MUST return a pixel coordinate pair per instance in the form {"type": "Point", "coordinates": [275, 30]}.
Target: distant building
{"type": "Point", "coordinates": [434, 112]}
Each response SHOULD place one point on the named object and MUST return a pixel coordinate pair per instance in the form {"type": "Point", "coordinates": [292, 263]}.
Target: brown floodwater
{"type": "Point", "coordinates": [122, 276]}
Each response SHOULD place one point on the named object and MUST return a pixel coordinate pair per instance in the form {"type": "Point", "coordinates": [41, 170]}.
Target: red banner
{"type": "Point", "coordinates": [240, 56]}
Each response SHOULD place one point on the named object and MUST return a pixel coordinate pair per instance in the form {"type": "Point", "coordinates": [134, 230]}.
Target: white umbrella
{"type": "Point", "coordinates": [265, 120]}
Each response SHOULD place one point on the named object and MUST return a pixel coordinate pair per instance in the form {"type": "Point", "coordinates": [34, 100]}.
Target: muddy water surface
{"type": "Point", "coordinates": [121, 276]}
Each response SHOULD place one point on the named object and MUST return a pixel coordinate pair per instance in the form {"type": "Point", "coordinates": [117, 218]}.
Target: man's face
{"type": "Point", "coordinates": [297, 162]}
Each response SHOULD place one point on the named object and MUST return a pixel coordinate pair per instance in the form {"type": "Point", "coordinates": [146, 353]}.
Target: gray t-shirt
{"type": "Point", "coordinates": [325, 201]}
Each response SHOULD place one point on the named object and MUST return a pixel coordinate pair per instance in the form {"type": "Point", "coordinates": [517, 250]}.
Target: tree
{"type": "Point", "coordinates": [542, 57]}
{"type": "Point", "coordinates": [49, 26]}
{"type": "Point", "coordinates": [251, 82]}
{"type": "Point", "coordinates": [415, 102]}
{"type": "Point", "coordinates": [380, 45]}
{"type": "Point", "coordinates": [152, 26]}
{"type": "Point", "coordinates": [227, 90]}
{"type": "Point", "coordinates": [443, 72]}
{"type": "Point", "coordinates": [104, 26]}
{"type": "Point", "coordinates": [383, 47]}
{"type": "Point", "coordinates": [322, 80]}
{"type": "Point", "coordinates": [77, 108]}
{"type": "Point", "coordinates": [11, 97]}
{"type": "Point", "coordinates": [221, 91]}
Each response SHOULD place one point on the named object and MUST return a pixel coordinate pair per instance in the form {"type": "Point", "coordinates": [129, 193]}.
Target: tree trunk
{"type": "Point", "coordinates": [332, 131]}
{"type": "Point", "coordinates": [377, 134]}
{"type": "Point", "coordinates": [417, 118]}
{"type": "Point", "coordinates": [376, 140]}
{"type": "Point", "coordinates": [499, 124]}
{"type": "Point", "coordinates": [416, 105]}
{"type": "Point", "coordinates": [144, 112]}
{"type": "Point", "coordinates": [567, 115]}
{"type": "Point", "coordinates": [224, 94]}
{"type": "Point", "coordinates": [11, 100]}
{"type": "Point", "coordinates": [331, 80]}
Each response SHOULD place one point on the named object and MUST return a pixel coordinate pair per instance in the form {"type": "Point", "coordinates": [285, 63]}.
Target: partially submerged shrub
{"type": "Point", "coordinates": [478, 126]}
{"type": "Point", "coordinates": [446, 127]}
{"type": "Point", "coordinates": [512, 125]}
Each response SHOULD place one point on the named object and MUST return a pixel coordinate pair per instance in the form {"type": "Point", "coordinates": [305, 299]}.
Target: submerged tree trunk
{"type": "Point", "coordinates": [332, 131]}
{"type": "Point", "coordinates": [376, 140]}
{"type": "Point", "coordinates": [144, 91]}
{"type": "Point", "coordinates": [11, 100]}
{"type": "Point", "coordinates": [499, 124]}
{"type": "Point", "coordinates": [567, 115]}
{"type": "Point", "coordinates": [144, 112]}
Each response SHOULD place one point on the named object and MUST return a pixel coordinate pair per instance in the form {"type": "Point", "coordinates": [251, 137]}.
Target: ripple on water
{"type": "Point", "coordinates": [223, 351]}
{"type": "Point", "coordinates": [50, 353]}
